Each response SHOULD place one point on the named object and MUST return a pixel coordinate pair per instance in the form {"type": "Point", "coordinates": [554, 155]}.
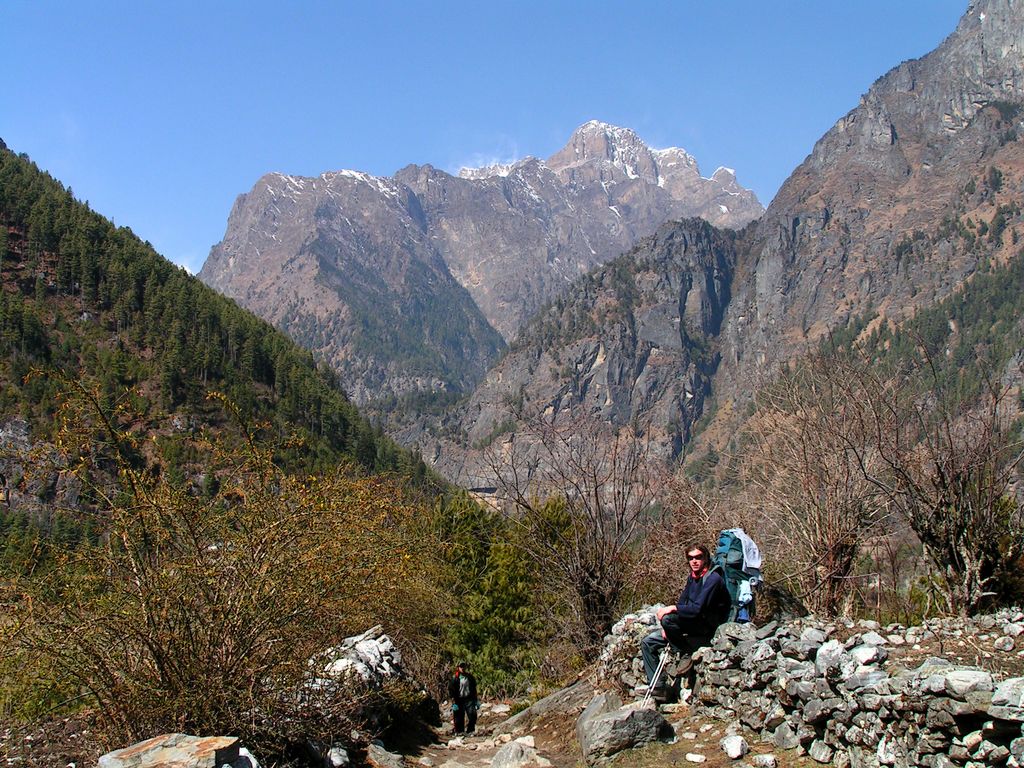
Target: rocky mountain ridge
{"type": "Point", "coordinates": [400, 283]}
{"type": "Point", "coordinates": [898, 164]}
{"type": "Point", "coordinates": [632, 343]}
{"type": "Point", "coordinates": [899, 204]}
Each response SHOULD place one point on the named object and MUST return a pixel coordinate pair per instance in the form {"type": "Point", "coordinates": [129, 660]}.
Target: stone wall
{"type": "Point", "coordinates": [859, 695]}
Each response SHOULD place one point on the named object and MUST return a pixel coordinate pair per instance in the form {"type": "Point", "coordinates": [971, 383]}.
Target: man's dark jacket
{"type": "Point", "coordinates": [704, 603]}
{"type": "Point", "coordinates": [453, 688]}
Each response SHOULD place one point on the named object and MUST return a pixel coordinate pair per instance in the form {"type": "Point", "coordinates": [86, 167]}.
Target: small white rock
{"type": "Point", "coordinates": [1004, 643]}
{"type": "Point", "coordinates": [693, 757]}
{"type": "Point", "coordinates": [734, 746]}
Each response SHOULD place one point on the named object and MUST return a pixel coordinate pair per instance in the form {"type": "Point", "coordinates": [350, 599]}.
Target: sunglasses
{"type": "Point", "coordinates": [695, 557]}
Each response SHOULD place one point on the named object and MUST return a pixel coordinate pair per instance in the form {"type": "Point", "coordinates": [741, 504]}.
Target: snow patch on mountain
{"type": "Point", "coordinates": [487, 171]}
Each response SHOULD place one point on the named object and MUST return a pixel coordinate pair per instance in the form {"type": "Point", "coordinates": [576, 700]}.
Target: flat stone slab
{"type": "Point", "coordinates": [958, 682]}
{"type": "Point", "coordinates": [175, 750]}
{"type": "Point", "coordinates": [1008, 700]}
{"type": "Point", "coordinates": [602, 731]}
{"type": "Point", "coordinates": [571, 699]}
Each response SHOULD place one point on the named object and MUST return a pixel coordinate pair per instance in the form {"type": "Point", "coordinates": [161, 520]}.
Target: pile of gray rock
{"type": "Point", "coordinates": [855, 694]}
{"type": "Point", "coordinates": [368, 660]}
{"type": "Point", "coordinates": [620, 664]}
{"type": "Point", "coordinates": [371, 658]}
{"type": "Point", "coordinates": [800, 686]}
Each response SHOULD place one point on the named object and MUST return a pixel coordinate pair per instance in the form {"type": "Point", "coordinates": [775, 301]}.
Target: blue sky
{"type": "Point", "coordinates": [160, 114]}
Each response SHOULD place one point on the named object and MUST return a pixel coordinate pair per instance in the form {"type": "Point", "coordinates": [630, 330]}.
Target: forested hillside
{"type": "Point", "coordinates": [191, 508]}
{"type": "Point", "coordinates": [91, 300]}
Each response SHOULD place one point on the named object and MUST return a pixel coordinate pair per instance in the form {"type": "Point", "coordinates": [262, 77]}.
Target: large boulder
{"type": "Point", "coordinates": [606, 727]}
{"type": "Point", "coordinates": [378, 756]}
{"type": "Point", "coordinates": [518, 754]}
{"type": "Point", "coordinates": [567, 700]}
{"type": "Point", "coordinates": [179, 750]}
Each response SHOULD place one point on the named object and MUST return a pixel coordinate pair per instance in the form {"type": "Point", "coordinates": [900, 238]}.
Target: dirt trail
{"type": "Point", "coordinates": [554, 737]}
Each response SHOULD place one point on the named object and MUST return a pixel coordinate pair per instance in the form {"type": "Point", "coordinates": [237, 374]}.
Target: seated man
{"type": "Point", "coordinates": [690, 623]}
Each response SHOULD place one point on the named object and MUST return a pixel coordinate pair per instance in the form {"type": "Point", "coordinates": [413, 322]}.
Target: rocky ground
{"type": "Point", "coordinates": [553, 736]}
{"type": "Point", "coordinates": [55, 743]}
{"type": "Point", "coordinates": [545, 733]}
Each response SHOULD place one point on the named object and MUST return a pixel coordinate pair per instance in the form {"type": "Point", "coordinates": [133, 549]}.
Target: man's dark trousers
{"type": "Point", "coordinates": [464, 718]}
{"type": "Point", "coordinates": [680, 634]}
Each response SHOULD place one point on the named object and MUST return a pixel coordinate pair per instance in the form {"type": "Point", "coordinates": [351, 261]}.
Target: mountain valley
{"type": "Point", "coordinates": [910, 194]}
{"type": "Point", "coordinates": [895, 207]}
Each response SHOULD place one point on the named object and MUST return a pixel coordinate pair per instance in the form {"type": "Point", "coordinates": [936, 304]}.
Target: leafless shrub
{"type": "Point", "coordinates": [807, 449]}
{"type": "Point", "coordinates": [203, 615]}
{"type": "Point", "coordinates": [948, 467]}
{"type": "Point", "coordinates": [846, 451]}
{"type": "Point", "coordinates": [584, 497]}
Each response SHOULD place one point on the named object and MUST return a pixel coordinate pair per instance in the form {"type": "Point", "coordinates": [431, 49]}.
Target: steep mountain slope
{"type": "Point", "coordinates": [86, 302]}
{"type": "Point", "coordinates": [899, 204]}
{"type": "Point", "coordinates": [345, 265]}
{"type": "Point", "coordinates": [872, 218]}
{"type": "Point", "coordinates": [631, 343]}
{"type": "Point", "coordinates": [398, 282]}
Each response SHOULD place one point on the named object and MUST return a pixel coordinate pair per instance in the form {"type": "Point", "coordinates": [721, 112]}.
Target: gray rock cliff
{"type": "Point", "coordinates": [633, 342]}
{"type": "Point", "coordinates": [890, 213]}
{"type": "Point", "coordinates": [404, 284]}
{"type": "Point", "coordinates": [884, 178]}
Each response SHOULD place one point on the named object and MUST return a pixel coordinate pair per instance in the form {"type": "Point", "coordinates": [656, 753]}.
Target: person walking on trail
{"type": "Point", "coordinates": [689, 624]}
{"type": "Point", "coordinates": [462, 692]}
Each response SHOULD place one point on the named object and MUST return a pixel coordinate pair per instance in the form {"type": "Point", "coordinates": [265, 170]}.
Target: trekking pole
{"type": "Point", "coordinates": [657, 676]}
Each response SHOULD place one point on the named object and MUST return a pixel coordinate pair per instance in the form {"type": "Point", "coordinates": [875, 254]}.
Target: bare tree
{"type": "Point", "coordinates": [583, 495]}
{"type": "Point", "coordinates": [867, 441]}
{"type": "Point", "coordinates": [806, 449]}
{"type": "Point", "coordinates": [949, 467]}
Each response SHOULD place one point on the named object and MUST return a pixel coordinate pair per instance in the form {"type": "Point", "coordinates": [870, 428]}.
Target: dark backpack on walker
{"type": "Point", "coordinates": [740, 567]}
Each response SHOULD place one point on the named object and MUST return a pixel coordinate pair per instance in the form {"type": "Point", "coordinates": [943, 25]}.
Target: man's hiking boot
{"type": "Point", "coordinates": [662, 694]}
{"type": "Point", "coordinates": [684, 665]}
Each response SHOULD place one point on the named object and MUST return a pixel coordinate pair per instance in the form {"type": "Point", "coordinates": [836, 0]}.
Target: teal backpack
{"type": "Point", "coordinates": [738, 559]}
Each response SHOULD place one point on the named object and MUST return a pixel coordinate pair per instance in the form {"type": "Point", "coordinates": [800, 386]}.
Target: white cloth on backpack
{"type": "Point", "coordinates": [751, 554]}
{"type": "Point", "coordinates": [745, 594]}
